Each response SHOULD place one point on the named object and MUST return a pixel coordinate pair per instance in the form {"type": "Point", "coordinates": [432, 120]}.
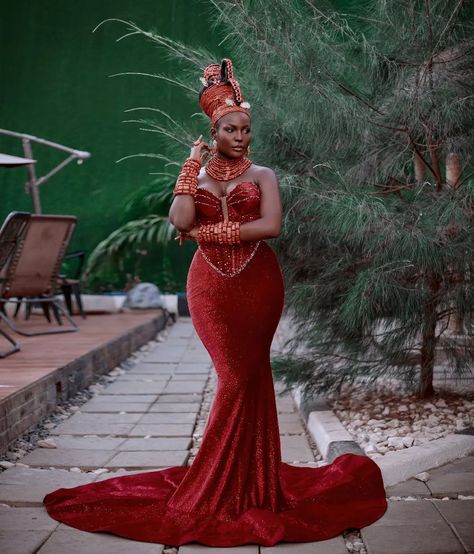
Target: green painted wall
{"type": "Point", "coordinates": [55, 84]}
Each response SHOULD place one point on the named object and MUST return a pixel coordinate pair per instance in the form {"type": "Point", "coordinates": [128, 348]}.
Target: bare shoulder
{"type": "Point", "coordinates": [265, 174]}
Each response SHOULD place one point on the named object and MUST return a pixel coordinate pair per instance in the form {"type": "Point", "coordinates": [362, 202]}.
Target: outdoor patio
{"type": "Point", "coordinates": [51, 368]}
{"type": "Point", "coordinates": [345, 130]}
{"type": "Point", "coordinates": [152, 414]}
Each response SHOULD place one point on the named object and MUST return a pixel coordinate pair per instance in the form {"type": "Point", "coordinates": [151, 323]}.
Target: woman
{"type": "Point", "coordinates": [237, 490]}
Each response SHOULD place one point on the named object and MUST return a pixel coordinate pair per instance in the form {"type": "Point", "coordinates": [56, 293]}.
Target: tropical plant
{"type": "Point", "coordinates": [147, 228]}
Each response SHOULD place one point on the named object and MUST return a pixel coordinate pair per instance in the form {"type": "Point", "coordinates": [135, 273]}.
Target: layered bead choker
{"type": "Point", "coordinates": [222, 169]}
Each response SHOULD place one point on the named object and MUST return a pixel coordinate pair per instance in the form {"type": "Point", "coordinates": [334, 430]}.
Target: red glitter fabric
{"type": "Point", "coordinates": [243, 204]}
{"type": "Point", "coordinates": [237, 490]}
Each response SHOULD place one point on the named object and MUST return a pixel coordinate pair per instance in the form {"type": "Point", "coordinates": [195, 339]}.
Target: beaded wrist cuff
{"type": "Point", "coordinates": [188, 178]}
{"type": "Point", "coordinates": [224, 232]}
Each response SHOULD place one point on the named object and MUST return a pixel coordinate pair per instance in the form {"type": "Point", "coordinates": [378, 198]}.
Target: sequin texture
{"type": "Point", "coordinates": [237, 490]}
{"type": "Point", "coordinates": [243, 204]}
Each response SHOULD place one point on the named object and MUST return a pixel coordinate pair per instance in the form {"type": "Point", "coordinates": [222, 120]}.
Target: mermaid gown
{"type": "Point", "coordinates": [237, 490]}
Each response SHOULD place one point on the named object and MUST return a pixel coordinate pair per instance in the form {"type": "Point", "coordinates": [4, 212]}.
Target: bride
{"type": "Point", "coordinates": [237, 489]}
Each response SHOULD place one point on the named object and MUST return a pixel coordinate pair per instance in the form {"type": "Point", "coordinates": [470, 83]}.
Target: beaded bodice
{"type": "Point", "coordinates": [243, 205]}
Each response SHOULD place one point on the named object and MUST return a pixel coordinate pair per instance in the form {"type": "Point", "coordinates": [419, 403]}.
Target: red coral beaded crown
{"type": "Point", "coordinates": [222, 93]}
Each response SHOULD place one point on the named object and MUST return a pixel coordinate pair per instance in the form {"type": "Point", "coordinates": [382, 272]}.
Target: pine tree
{"type": "Point", "coordinates": [367, 118]}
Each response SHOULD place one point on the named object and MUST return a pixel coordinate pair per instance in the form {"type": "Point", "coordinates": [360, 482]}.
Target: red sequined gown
{"type": "Point", "coordinates": [237, 490]}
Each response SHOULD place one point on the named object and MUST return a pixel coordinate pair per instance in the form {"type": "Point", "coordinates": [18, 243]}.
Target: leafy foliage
{"type": "Point", "coordinates": [359, 113]}
{"type": "Point", "coordinates": [367, 117]}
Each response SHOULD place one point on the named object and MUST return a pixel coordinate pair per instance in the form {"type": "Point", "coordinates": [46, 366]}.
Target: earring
{"type": "Point", "coordinates": [247, 152]}
{"type": "Point", "coordinates": [214, 147]}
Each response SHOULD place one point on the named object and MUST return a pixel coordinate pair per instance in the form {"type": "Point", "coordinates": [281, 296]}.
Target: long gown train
{"type": "Point", "coordinates": [237, 490]}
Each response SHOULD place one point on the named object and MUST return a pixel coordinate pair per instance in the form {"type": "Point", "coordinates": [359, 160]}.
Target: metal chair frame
{"type": "Point", "coordinates": [11, 232]}
{"type": "Point", "coordinates": [38, 285]}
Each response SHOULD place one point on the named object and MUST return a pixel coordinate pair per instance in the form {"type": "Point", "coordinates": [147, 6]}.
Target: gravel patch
{"type": "Point", "coordinates": [387, 418]}
{"type": "Point", "coordinates": [354, 542]}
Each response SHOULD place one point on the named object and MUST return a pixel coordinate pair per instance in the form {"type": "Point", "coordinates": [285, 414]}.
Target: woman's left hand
{"type": "Point", "coordinates": [189, 235]}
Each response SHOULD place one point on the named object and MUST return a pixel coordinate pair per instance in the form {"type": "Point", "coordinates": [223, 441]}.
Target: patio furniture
{"type": "Point", "coordinates": [11, 232]}
{"type": "Point", "coordinates": [32, 270]}
{"type": "Point", "coordinates": [14, 161]}
{"type": "Point", "coordinates": [14, 348]}
{"type": "Point", "coordinates": [71, 285]}
{"type": "Point", "coordinates": [34, 182]}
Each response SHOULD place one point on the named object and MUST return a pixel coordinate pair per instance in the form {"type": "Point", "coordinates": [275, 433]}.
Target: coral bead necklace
{"type": "Point", "coordinates": [222, 169]}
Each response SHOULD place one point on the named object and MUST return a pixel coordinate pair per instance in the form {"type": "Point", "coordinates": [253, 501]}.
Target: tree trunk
{"type": "Point", "coordinates": [453, 178]}
{"type": "Point", "coordinates": [458, 324]}
{"type": "Point", "coordinates": [426, 389]}
{"type": "Point", "coordinates": [420, 169]}
{"type": "Point", "coordinates": [453, 170]}
{"type": "Point", "coordinates": [436, 166]}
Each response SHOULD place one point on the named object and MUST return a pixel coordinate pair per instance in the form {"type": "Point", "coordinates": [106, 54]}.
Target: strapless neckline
{"type": "Point", "coordinates": [229, 194]}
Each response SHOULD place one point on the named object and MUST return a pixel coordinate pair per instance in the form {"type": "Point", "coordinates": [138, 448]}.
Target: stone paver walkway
{"type": "Point", "coordinates": [432, 517]}
{"type": "Point", "coordinates": [145, 420]}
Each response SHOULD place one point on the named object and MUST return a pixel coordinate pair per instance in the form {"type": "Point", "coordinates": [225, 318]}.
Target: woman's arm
{"type": "Point", "coordinates": [266, 226]}
{"type": "Point", "coordinates": [182, 213]}
{"type": "Point", "coordinates": [269, 223]}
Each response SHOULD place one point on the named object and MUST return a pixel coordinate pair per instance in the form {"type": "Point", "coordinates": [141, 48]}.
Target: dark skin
{"type": "Point", "coordinates": [232, 134]}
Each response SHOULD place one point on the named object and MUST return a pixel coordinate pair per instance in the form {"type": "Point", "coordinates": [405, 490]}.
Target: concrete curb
{"type": "Point", "coordinates": [401, 465]}
{"type": "Point", "coordinates": [330, 435]}
{"type": "Point", "coordinates": [333, 439]}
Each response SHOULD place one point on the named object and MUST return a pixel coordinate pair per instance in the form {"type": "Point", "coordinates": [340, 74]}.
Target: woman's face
{"type": "Point", "coordinates": [232, 134]}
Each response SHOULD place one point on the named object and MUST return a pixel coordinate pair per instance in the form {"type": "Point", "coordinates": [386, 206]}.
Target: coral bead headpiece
{"type": "Point", "coordinates": [222, 94]}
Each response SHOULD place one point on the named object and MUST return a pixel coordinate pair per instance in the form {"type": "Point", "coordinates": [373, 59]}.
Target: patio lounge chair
{"type": "Point", "coordinates": [31, 272]}
{"type": "Point", "coordinates": [69, 286]}
{"type": "Point", "coordinates": [11, 232]}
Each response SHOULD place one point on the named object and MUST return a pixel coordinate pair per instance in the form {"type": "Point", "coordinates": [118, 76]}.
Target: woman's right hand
{"type": "Point", "coordinates": [197, 150]}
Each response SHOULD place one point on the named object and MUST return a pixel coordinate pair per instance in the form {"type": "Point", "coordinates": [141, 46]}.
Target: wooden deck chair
{"type": "Point", "coordinates": [11, 233]}
{"type": "Point", "coordinates": [31, 273]}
